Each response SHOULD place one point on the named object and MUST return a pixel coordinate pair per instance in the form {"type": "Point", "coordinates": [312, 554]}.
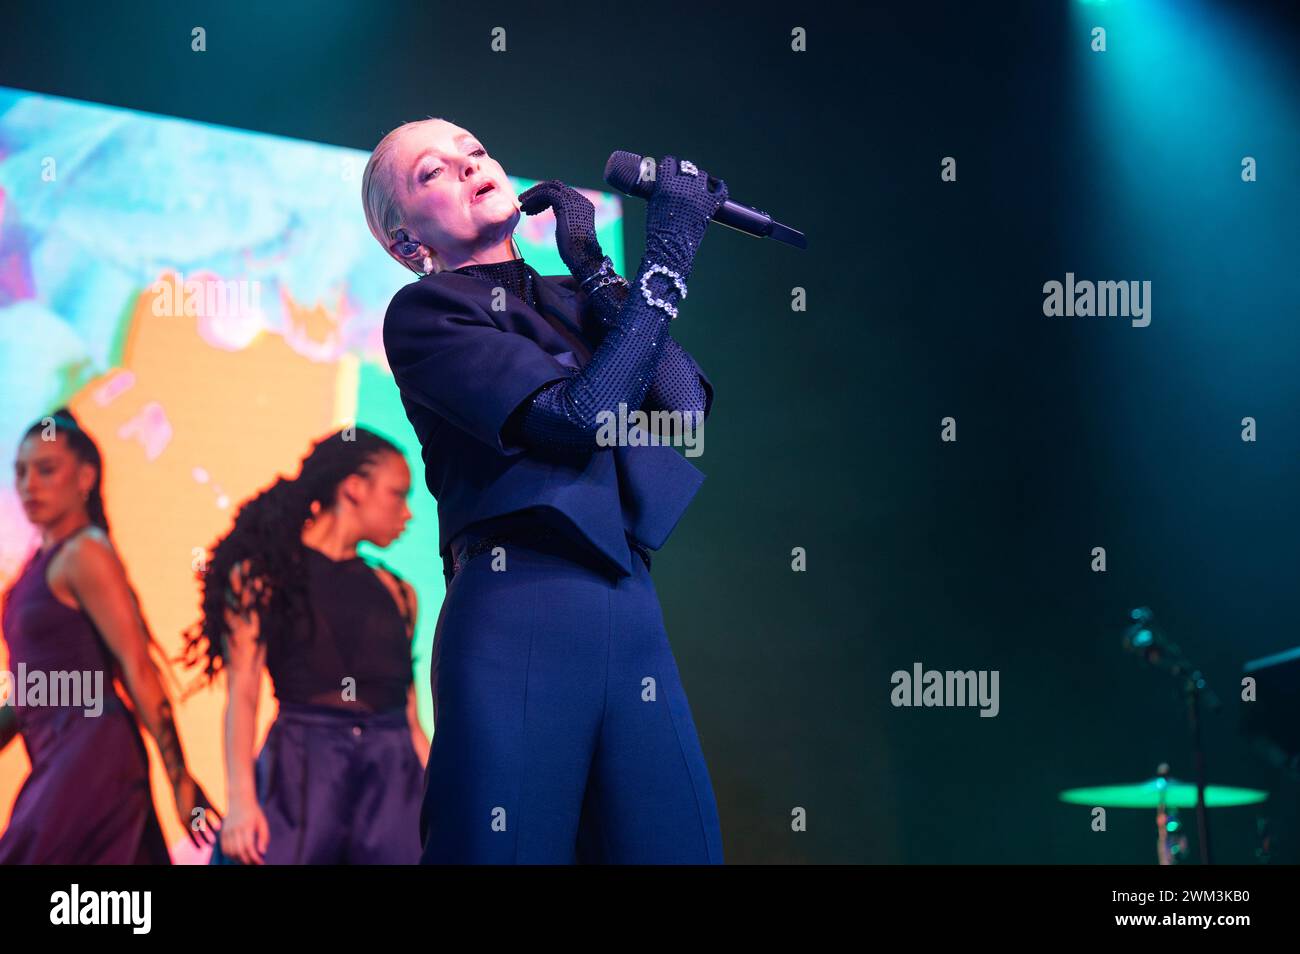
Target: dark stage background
{"type": "Point", "coordinates": [924, 301]}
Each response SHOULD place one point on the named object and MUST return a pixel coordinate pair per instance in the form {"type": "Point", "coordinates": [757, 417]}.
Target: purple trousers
{"type": "Point", "coordinates": [339, 788]}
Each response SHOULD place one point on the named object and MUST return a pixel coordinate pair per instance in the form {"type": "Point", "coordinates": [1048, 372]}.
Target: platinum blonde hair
{"type": "Point", "coordinates": [379, 197]}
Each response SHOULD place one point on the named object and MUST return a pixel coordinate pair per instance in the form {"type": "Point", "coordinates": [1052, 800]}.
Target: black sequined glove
{"type": "Point", "coordinates": [684, 200]}
{"type": "Point", "coordinates": [566, 416]}
{"type": "Point", "coordinates": [676, 384]}
{"type": "Point", "coordinates": [575, 224]}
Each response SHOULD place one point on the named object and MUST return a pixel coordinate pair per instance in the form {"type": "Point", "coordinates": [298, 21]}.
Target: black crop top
{"type": "Point", "coordinates": [360, 634]}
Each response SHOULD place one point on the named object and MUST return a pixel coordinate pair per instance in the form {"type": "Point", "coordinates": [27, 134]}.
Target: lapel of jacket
{"type": "Point", "coordinates": [564, 310]}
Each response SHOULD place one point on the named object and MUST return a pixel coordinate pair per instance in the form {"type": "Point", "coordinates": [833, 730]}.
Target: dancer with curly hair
{"type": "Point", "coordinates": [338, 779]}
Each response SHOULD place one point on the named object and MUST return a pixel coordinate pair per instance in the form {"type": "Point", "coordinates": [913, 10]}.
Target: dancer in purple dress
{"type": "Point", "coordinates": [73, 625]}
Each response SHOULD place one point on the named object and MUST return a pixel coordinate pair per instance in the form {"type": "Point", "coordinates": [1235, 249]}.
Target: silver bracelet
{"type": "Point", "coordinates": [606, 275]}
{"type": "Point", "coordinates": [612, 279]}
{"type": "Point", "coordinates": [605, 269]}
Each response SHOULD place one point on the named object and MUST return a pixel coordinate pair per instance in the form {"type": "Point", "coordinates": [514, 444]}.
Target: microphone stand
{"type": "Point", "coordinates": [1193, 686]}
{"type": "Point", "coordinates": [1143, 639]}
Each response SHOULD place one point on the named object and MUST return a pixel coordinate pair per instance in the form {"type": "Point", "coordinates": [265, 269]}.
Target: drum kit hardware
{"type": "Point", "coordinates": [1273, 731]}
{"type": "Point", "coordinates": [1166, 795]}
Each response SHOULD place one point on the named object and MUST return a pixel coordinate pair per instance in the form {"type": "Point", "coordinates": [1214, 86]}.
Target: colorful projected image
{"type": "Point", "coordinates": [208, 302]}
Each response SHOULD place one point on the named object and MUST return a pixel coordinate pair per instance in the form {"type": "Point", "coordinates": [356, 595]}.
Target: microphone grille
{"type": "Point", "coordinates": [623, 172]}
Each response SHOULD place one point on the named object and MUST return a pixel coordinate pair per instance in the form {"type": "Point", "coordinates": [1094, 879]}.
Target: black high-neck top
{"type": "Point", "coordinates": [513, 276]}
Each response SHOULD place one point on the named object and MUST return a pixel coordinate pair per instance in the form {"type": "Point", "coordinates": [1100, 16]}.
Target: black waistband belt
{"type": "Point", "coordinates": [468, 544]}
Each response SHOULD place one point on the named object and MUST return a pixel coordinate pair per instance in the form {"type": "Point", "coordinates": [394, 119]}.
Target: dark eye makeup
{"type": "Point", "coordinates": [480, 151]}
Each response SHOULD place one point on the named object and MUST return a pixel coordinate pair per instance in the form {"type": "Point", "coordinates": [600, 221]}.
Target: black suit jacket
{"type": "Point", "coordinates": [462, 368]}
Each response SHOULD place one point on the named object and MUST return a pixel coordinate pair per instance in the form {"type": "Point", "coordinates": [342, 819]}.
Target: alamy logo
{"type": "Point", "coordinates": [83, 689]}
{"type": "Point", "coordinates": [180, 297]}
{"type": "Point", "coordinates": [1087, 299]}
{"type": "Point", "coordinates": [641, 429]}
{"type": "Point", "coordinates": [932, 687]}
{"type": "Point", "coordinates": [102, 907]}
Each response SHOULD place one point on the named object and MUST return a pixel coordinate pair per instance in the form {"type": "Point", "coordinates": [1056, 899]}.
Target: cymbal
{"type": "Point", "coordinates": [1177, 794]}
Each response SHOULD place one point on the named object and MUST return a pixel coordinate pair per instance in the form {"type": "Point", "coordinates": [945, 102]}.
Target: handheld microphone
{"type": "Point", "coordinates": [623, 172]}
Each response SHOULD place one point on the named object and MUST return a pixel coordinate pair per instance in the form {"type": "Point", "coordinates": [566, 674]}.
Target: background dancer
{"type": "Point", "coordinates": [87, 799]}
{"type": "Point", "coordinates": [338, 778]}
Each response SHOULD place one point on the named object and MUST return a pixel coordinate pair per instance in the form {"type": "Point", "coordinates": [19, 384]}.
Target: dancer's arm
{"type": "Point", "coordinates": [404, 593]}
{"type": "Point", "coordinates": [97, 579]}
{"type": "Point", "coordinates": [418, 738]}
{"type": "Point", "coordinates": [246, 833]}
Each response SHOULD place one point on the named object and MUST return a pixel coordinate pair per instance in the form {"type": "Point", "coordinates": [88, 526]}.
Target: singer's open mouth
{"type": "Point", "coordinates": [487, 187]}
